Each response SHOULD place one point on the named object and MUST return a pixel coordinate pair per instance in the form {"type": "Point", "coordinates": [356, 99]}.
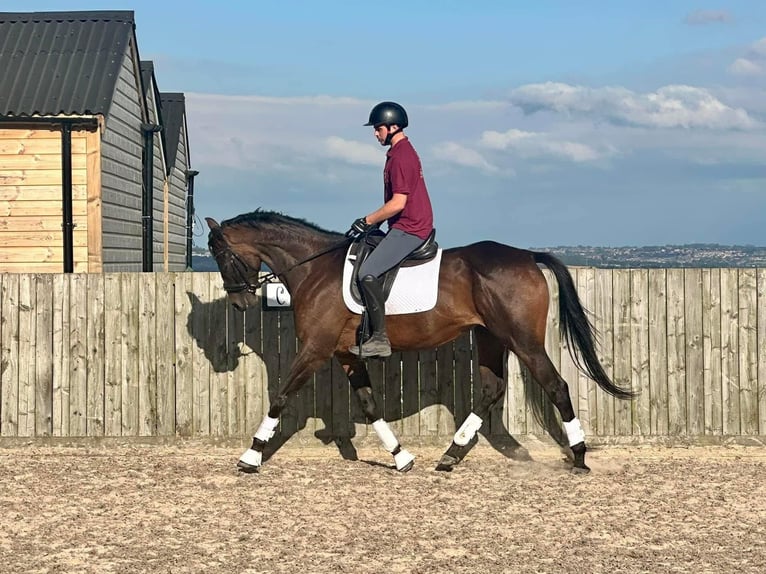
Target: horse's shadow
{"type": "Point", "coordinates": [232, 340]}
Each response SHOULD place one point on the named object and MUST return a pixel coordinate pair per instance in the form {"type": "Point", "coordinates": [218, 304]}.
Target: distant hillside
{"type": "Point", "coordinates": [693, 255]}
{"type": "Point", "coordinates": [203, 263]}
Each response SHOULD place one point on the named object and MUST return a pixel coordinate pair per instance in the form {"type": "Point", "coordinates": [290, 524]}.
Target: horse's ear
{"type": "Point", "coordinates": [212, 223]}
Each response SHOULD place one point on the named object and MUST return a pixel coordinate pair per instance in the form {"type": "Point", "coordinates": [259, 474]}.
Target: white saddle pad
{"type": "Point", "coordinates": [415, 289]}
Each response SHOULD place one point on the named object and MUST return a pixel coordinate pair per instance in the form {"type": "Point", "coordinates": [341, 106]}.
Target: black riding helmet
{"type": "Point", "coordinates": [388, 113]}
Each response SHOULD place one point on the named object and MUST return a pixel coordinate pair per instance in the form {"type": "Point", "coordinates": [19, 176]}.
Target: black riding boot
{"type": "Point", "coordinates": [377, 345]}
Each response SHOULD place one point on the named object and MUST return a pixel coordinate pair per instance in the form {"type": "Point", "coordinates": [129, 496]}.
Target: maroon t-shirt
{"type": "Point", "coordinates": [404, 174]}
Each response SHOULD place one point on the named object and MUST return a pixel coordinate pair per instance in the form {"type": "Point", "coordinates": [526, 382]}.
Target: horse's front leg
{"type": "Point", "coordinates": [360, 382]}
{"type": "Point", "coordinates": [306, 362]}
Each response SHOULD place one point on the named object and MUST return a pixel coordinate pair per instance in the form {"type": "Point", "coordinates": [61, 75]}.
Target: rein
{"type": "Point", "coordinates": [246, 285]}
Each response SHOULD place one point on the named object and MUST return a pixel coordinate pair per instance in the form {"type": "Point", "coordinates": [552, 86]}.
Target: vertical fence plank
{"type": "Point", "coordinates": [287, 352]}
{"type": "Point", "coordinates": [588, 389]}
{"type": "Point", "coordinates": [639, 351]}
{"type": "Point", "coordinates": [200, 325]}
{"type": "Point", "coordinates": [711, 344]}
{"type": "Point", "coordinates": [26, 356]}
{"type": "Point", "coordinates": [61, 356]}
{"type": "Point", "coordinates": [729, 350]}
{"type": "Point", "coordinates": [393, 399]}
{"type": "Point", "coordinates": [184, 350]}
{"type": "Point", "coordinates": [256, 378]}
{"type": "Point", "coordinates": [147, 354]}
{"type": "Point", "coordinates": [95, 355]}
{"type": "Point", "coordinates": [166, 353]}
{"type": "Point", "coordinates": [676, 353]}
{"type": "Point", "coordinates": [113, 354]}
{"type": "Point", "coordinates": [130, 354]}
{"type": "Point", "coordinates": [78, 346]}
{"type": "Point", "coordinates": [748, 352]}
{"type": "Point", "coordinates": [695, 392]}
{"type": "Point", "coordinates": [9, 355]}
{"type": "Point", "coordinates": [445, 374]}
{"type": "Point", "coordinates": [236, 379]}
{"type": "Point", "coordinates": [429, 393]}
{"type": "Point", "coordinates": [410, 394]}
{"type": "Point", "coordinates": [604, 326]}
{"type": "Point", "coordinates": [515, 397]}
{"type": "Point", "coordinates": [217, 353]}
{"type": "Point", "coordinates": [323, 403]}
{"type": "Point", "coordinates": [658, 350]}
{"type": "Point", "coordinates": [621, 301]}
{"type": "Point", "coordinates": [43, 352]}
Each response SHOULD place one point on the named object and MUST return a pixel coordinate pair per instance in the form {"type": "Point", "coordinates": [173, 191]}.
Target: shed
{"type": "Point", "coordinates": [84, 172]}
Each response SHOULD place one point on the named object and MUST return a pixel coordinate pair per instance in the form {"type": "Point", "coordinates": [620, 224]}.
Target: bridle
{"type": "Point", "coordinates": [242, 268]}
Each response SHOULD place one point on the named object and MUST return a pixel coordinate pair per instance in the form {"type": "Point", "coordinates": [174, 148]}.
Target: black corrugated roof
{"type": "Point", "coordinates": [55, 63]}
{"type": "Point", "coordinates": [173, 110]}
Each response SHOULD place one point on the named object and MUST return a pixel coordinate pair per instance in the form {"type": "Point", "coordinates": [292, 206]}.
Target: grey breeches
{"type": "Point", "coordinates": [393, 248]}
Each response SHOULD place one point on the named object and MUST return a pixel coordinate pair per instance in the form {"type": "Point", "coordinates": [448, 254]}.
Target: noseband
{"type": "Point", "coordinates": [242, 267]}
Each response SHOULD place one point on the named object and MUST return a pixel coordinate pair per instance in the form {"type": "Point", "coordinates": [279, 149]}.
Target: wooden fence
{"type": "Point", "coordinates": [163, 354]}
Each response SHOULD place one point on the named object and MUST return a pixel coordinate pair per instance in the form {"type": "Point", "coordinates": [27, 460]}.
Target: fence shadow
{"type": "Point", "coordinates": [228, 339]}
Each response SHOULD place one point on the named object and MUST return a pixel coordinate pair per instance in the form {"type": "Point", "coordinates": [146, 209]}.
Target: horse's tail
{"type": "Point", "coordinates": [577, 329]}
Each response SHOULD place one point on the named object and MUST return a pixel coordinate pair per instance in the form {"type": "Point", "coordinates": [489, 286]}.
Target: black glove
{"type": "Point", "coordinates": [359, 227]}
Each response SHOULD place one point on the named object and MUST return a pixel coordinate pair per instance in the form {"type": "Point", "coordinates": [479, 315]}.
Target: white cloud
{"type": "Point", "coordinates": [753, 63]}
{"type": "Point", "coordinates": [352, 151]}
{"type": "Point", "coordinates": [745, 67]}
{"type": "Point", "coordinates": [674, 106]}
{"type": "Point", "coordinates": [701, 17]}
{"type": "Point", "coordinates": [532, 144]}
{"type": "Point", "coordinates": [456, 153]}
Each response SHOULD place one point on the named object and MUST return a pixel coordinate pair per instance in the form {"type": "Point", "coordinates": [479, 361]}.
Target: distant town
{"type": "Point", "coordinates": [691, 255]}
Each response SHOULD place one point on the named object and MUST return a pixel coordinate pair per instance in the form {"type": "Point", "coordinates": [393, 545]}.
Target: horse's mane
{"type": "Point", "coordinates": [260, 218]}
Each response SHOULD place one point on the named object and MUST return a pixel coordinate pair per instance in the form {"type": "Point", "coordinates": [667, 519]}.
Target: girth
{"type": "Point", "coordinates": [364, 245]}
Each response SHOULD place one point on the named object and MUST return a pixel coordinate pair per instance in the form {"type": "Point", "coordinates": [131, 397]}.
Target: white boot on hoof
{"type": "Point", "coordinates": [250, 461]}
{"type": "Point", "coordinates": [404, 460]}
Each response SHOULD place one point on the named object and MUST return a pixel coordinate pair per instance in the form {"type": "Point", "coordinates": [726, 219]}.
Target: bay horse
{"type": "Point", "coordinates": [497, 290]}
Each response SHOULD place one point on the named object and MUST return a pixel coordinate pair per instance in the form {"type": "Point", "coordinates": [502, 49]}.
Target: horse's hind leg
{"type": "Point", "coordinates": [360, 382]}
{"type": "Point", "coordinates": [491, 357]}
{"type": "Point", "coordinates": [535, 358]}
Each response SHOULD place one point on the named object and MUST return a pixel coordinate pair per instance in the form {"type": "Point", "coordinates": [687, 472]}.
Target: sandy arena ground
{"type": "Point", "coordinates": [185, 508]}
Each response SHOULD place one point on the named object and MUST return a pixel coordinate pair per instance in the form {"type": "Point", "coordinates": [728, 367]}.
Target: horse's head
{"type": "Point", "coordinates": [239, 268]}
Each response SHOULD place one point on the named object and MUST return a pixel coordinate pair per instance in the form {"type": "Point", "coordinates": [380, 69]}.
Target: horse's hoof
{"type": "Point", "coordinates": [580, 470]}
{"type": "Point", "coordinates": [247, 468]}
{"type": "Point", "coordinates": [446, 463]}
{"type": "Point", "coordinates": [404, 460]}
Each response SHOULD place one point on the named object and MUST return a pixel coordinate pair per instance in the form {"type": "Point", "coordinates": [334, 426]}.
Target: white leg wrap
{"type": "Point", "coordinates": [385, 435]}
{"type": "Point", "coordinates": [252, 457]}
{"type": "Point", "coordinates": [266, 430]}
{"type": "Point", "coordinates": [468, 430]}
{"type": "Point", "coordinates": [574, 431]}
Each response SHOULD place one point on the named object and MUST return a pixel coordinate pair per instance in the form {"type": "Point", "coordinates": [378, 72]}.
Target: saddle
{"type": "Point", "coordinates": [363, 246]}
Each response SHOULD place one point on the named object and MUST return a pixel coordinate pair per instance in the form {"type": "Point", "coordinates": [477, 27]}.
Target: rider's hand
{"type": "Point", "coordinates": [359, 227]}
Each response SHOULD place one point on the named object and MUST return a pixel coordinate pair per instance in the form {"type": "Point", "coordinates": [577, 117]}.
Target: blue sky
{"type": "Point", "coordinates": [538, 123]}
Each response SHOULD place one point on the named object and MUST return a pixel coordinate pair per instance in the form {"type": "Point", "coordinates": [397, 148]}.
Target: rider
{"type": "Point", "coordinates": [406, 208]}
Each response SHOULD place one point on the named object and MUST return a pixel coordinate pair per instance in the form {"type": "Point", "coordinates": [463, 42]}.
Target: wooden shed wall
{"type": "Point", "coordinates": [176, 207]}
{"type": "Point", "coordinates": [158, 199]}
{"type": "Point", "coordinates": [31, 237]}
{"type": "Point", "coordinates": [121, 173]}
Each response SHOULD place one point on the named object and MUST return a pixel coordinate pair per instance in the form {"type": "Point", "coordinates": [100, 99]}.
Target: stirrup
{"type": "Point", "coordinates": [372, 347]}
